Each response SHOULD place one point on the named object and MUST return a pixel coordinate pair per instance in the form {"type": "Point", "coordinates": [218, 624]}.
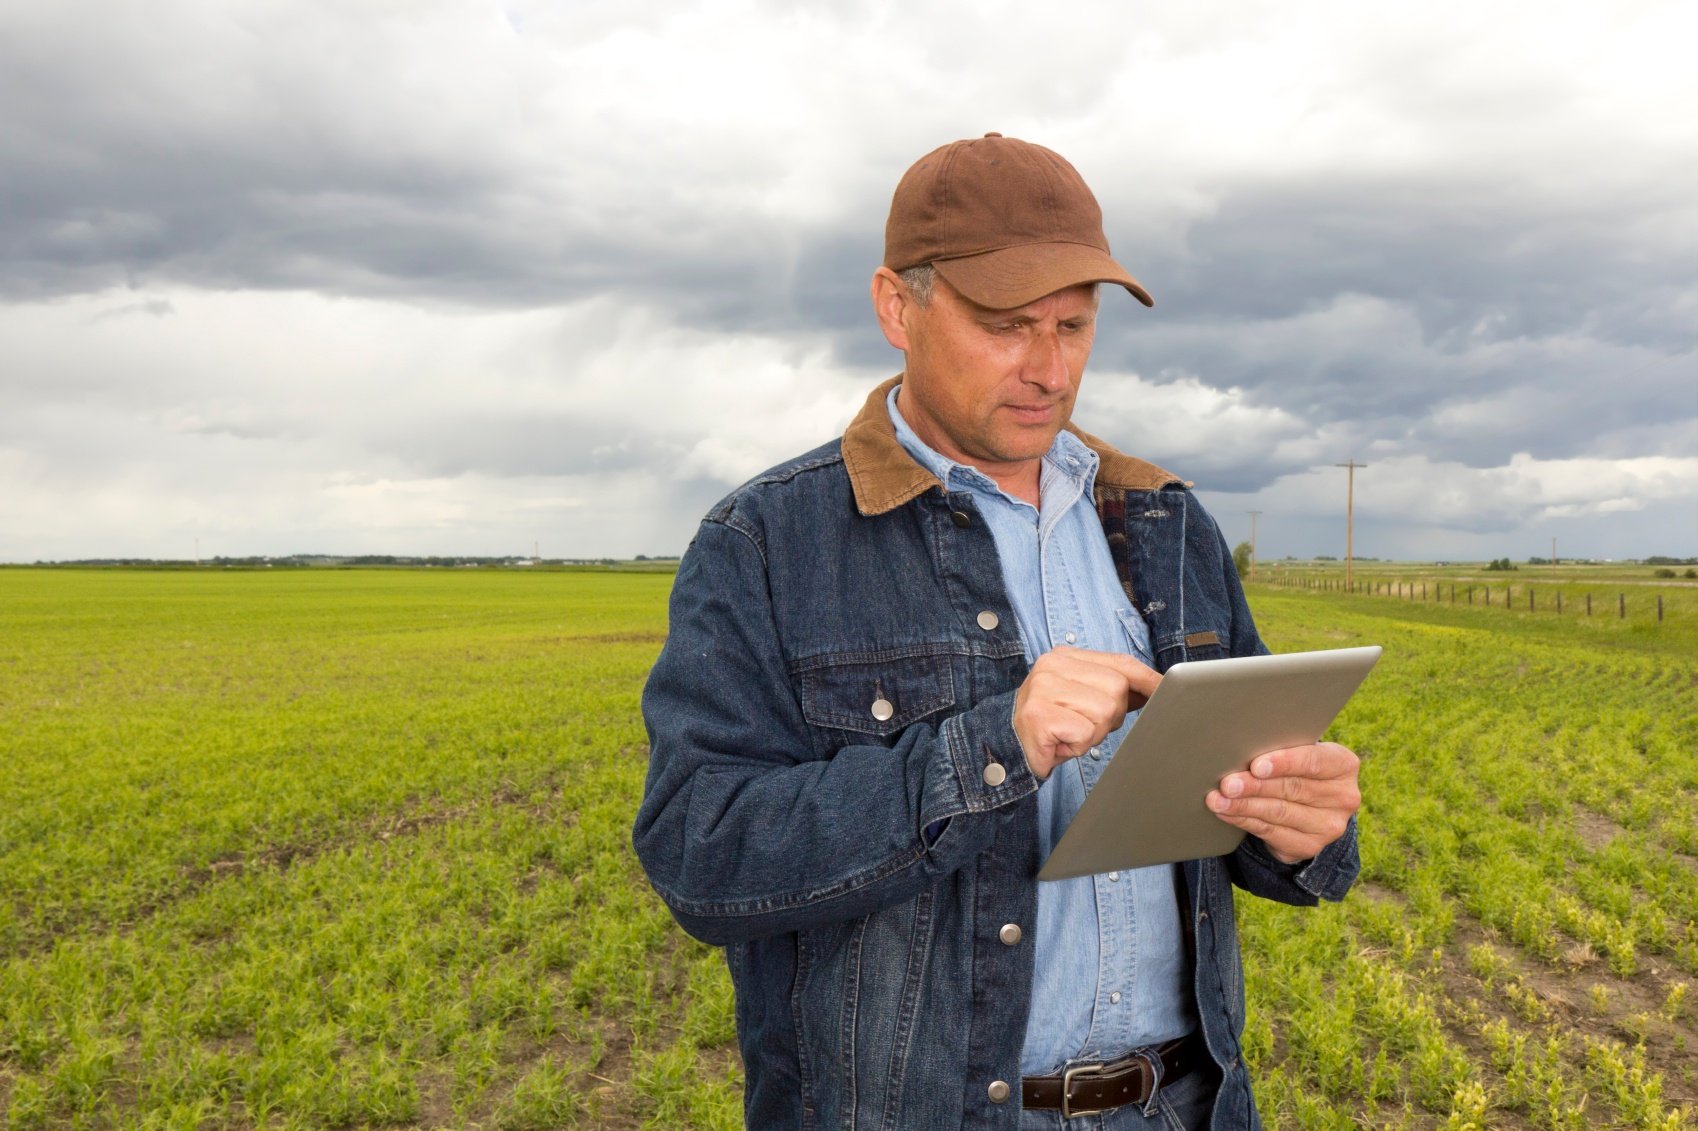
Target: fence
{"type": "Point", "coordinates": [1509, 595]}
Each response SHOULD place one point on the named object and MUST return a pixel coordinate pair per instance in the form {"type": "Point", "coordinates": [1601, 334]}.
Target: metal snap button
{"type": "Point", "coordinates": [995, 775]}
{"type": "Point", "coordinates": [1071, 637]}
{"type": "Point", "coordinates": [1114, 998]}
{"type": "Point", "coordinates": [998, 1091]}
{"type": "Point", "coordinates": [1114, 877]}
{"type": "Point", "coordinates": [1010, 934]}
{"type": "Point", "coordinates": [961, 519]}
{"type": "Point", "coordinates": [883, 709]}
{"type": "Point", "coordinates": [988, 620]}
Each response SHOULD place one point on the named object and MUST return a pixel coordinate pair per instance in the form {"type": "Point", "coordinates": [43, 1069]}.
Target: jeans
{"type": "Point", "coordinates": [1183, 1105]}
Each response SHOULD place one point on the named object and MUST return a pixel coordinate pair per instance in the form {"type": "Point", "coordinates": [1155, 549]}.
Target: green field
{"type": "Point", "coordinates": [350, 849]}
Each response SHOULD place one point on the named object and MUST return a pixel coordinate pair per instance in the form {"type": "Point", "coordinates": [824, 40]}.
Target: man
{"type": "Point", "coordinates": [895, 666]}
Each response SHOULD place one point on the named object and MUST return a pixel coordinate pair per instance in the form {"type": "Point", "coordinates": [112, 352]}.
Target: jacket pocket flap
{"type": "Point", "coordinates": [872, 694]}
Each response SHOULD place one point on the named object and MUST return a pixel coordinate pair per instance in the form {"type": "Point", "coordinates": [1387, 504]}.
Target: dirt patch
{"type": "Point", "coordinates": [380, 827]}
{"type": "Point", "coordinates": [604, 1057]}
{"type": "Point", "coordinates": [40, 937]}
{"type": "Point", "coordinates": [436, 1100]}
{"type": "Point", "coordinates": [1575, 997]}
{"type": "Point", "coordinates": [1594, 829]}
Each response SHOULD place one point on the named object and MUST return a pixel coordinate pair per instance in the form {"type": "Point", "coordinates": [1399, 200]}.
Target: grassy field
{"type": "Point", "coordinates": [350, 849]}
{"type": "Point", "coordinates": [1521, 950]}
{"type": "Point", "coordinates": [338, 849]}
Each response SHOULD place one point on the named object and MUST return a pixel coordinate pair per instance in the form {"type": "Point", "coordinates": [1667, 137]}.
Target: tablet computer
{"type": "Point", "coordinates": [1206, 719]}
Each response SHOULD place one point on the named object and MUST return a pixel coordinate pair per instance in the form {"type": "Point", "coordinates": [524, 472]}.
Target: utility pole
{"type": "Point", "coordinates": [1553, 551]}
{"type": "Point", "coordinates": [1350, 525]}
{"type": "Point", "coordinates": [1252, 515]}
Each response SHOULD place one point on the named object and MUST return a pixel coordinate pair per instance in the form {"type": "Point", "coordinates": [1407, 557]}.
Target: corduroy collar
{"type": "Point", "coordinates": [885, 476]}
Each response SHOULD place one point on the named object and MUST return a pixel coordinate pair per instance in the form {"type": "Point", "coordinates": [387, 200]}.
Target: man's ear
{"type": "Point", "coordinates": [891, 306]}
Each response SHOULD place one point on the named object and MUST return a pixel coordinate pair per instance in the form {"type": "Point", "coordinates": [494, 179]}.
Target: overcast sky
{"type": "Point", "coordinates": [472, 278]}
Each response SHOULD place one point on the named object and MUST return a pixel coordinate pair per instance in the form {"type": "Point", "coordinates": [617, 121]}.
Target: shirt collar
{"type": "Point", "coordinates": [1067, 455]}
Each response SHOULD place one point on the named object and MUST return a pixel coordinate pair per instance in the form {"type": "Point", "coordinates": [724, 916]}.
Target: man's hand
{"type": "Point", "coordinates": [1297, 800]}
{"type": "Point", "coordinates": [1072, 698]}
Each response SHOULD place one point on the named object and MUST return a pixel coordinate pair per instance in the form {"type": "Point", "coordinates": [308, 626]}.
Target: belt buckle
{"type": "Point", "coordinates": [1144, 1056]}
{"type": "Point", "coordinates": [1067, 1078]}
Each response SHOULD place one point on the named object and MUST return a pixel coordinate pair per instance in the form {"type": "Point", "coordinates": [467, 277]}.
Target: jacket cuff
{"type": "Point", "coordinates": [989, 769]}
{"type": "Point", "coordinates": [1327, 875]}
{"type": "Point", "coordinates": [1323, 877]}
{"type": "Point", "coordinates": [1334, 869]}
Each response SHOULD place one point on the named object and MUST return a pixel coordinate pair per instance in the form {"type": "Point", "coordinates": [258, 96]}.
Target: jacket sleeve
{"type": "Point", "coordinates": [1330, 874]}
{"type": "Point", "coordinates": [744, 829]}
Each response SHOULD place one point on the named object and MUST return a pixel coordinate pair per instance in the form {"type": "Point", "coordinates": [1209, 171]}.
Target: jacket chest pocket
{"type": "Point", "coordinates": [875, 694]}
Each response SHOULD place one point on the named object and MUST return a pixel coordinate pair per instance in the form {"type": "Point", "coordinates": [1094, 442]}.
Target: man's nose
{"type": "Point", "coordinates": [1046, 361]}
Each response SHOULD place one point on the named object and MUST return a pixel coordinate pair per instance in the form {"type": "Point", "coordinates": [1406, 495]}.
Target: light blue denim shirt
{"type": "Point", "coordinates": [1112, 973]}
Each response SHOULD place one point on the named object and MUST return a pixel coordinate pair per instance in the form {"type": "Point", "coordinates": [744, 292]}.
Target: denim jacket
{"type": "Point", "coordinates": [839, 675]}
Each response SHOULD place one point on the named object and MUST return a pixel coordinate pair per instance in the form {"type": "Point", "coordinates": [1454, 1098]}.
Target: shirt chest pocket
{"type": "Point", "coordinates": [876, 695]}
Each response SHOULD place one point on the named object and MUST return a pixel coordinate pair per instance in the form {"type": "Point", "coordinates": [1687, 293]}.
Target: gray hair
{"type": "Point", "coordinates": [919, 281]}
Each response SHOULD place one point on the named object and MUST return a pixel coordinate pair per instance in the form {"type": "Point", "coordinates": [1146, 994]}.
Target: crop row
{"type": "Point", "coordinates": [1521, 948]}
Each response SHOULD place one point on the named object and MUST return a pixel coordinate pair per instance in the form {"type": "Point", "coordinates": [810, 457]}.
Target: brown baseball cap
{"type": "Point", "coordinates": [1005, 222]}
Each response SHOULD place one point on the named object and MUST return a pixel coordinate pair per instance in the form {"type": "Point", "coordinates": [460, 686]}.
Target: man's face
{"type": "Point", "coordinates": [991, 388]}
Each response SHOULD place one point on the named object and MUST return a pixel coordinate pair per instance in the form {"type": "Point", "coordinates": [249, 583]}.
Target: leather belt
{"type": "Point", "coordinates": [1085, 1089]}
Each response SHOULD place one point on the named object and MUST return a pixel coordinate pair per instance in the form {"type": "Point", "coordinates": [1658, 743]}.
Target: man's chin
{"type": "Point", "coordinates": [1034, 441]}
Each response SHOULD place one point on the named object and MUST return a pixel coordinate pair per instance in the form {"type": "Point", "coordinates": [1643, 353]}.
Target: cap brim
{"type": "Point", "coordinates": [1015, 276]}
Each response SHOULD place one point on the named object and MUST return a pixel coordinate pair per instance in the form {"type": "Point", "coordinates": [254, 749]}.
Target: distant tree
{"type": "Point", "coordinates": [1664, 572]}
{"type": "Point", "coordinates": [1691, 573]}
{"type": "Point", "coordinates": [1241, 558]}
{"type": "Point", "coordinates": [1500, 565]}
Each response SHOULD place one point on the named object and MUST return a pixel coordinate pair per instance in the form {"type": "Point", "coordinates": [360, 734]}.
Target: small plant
{"type": "Point", "coordinates": [1525, 1002]}
{"type": "Point", "coordinates": [1468, 1108]}
{"type": "Point", "coordinates": [1486, 963]}
{"type": "Point", "coordinates": [542, 1100]}
{"type": "Point", "coordinates": [1674, 1005]}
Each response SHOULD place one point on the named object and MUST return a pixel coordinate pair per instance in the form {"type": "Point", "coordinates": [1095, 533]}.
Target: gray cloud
{"type": "Point", "coordinates": [1366, 237]}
